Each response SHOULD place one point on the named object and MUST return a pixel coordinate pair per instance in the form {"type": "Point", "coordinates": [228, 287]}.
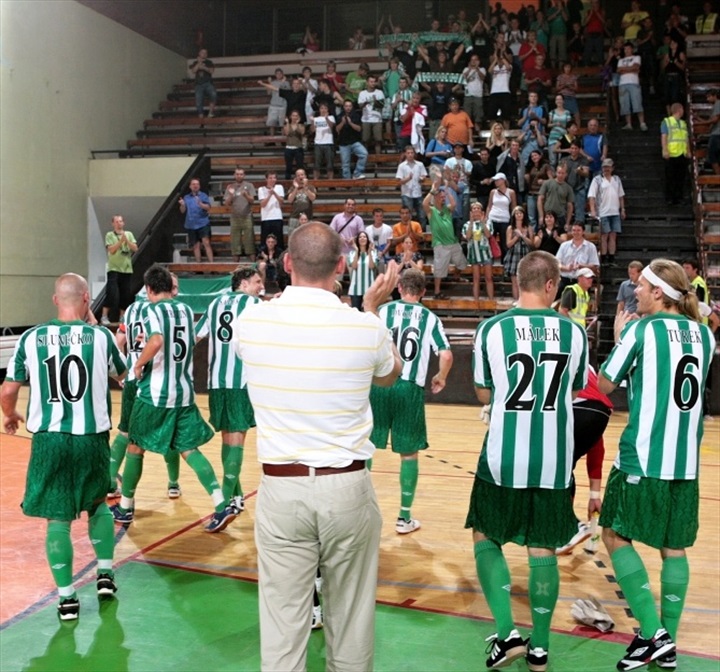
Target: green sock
{"type": "Point", "coordinates": [132, 473]}
{"type": "Point", "coordinates": [543, 589]}
{"type": "Point", "coordinates": [117, 455]}
{"type": "Point", "coordinates": [494, 575]}
{"type": "Point", "coordinates": [206, 475]}
{"type": "Point", "coordinates": [101, 531]}
{"type": "Point", "coordinates": [674, 579]}
{"type": "Point", "coordinates": [232, 461]}
{"type": "Point", "coordinates": [172, 462]}
{"type": "Point", "coordinates": [59, 549]}
{"type": "Point", "coordinates": [408, 485]}
{"type": "Point", "coordinates": [632, 578]}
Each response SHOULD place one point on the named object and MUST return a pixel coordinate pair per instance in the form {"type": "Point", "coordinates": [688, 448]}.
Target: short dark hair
{"type": "Point", "coordinates": [158, 279]}
{"type": "Point", "coordinates": [240, 274]}
{"type": "Point", "coordinates": [692, 262]}
{"type": "Point", "coordinates": [378, 210]}
{"type": "Point", "coordinates": [272, 172]}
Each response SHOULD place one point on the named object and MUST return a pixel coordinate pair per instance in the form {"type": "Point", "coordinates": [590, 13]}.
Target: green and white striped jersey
{"type": "Point", "coordinates": [67, 365]}
{"type": "Point", "coordinates": [363, 276]}
{"type": "Point", "coordinates": [168, 378]}
{"type": "Point", "coordinates": [132, 325]}
{"type": "Point", "coordinates": [666, 359]}
{"type": "Point", "coordinates": [225, 370]}
{"type": "Point", "coordinates": [416, 330]}
{"type": "Point", "coordinates": [531, 360]}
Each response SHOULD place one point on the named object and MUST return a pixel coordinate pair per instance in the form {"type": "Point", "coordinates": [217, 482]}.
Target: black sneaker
{"type": "Point", "coordinates": [537, 658]}
{"type": "Point", "coordinates": [221, 519]}
{"type": "Point", "coordinates": [504, 651]}
{"type": "Point", "coordinates": [69, 609]}
{"type": "Point", "coordinates": [667, 662]}
{"type": "Point", "coordinates": [642, 651]}
{"type": "Point", "coordinates": [105, 585]}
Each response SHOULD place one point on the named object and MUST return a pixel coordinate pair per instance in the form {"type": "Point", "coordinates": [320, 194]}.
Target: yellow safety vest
{"type": "Point", "coordinates": [699, 282]}
{"type": "Point", "coordinates": [704, 25]}
{"type": "Point", "coordinates": [582, 303]}
{"type": "Point", "coordinates": [677, 140]}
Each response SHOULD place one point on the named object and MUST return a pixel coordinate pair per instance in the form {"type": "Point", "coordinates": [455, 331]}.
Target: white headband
{"type": "Point", "coordinates": [655, 281]}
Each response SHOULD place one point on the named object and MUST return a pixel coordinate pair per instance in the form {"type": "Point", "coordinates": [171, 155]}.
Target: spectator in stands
{"type": "Point", "coordinates": [334, 78]}
{"type": "Point", "coordinates": [594, 32]}
{"type": "Point", "coordinates": [269, 258]}
{"type": "Point", "coordinates": [537, 171]}
{"type": "Point", "coordinates": [576, 44]}
{"type": "Point", "coordinates": [500, 98]}
{"type": "Point", "coordinates": [612, 77]}
{"type": "Point", "coordinates": [538, 78]}
{"type": "Point", "coordinates": [511, 164]}
{"type": "Point", "coordinates": [381, 235]}
{"type": "Point", "coordinates": [673, 70]}
{"type": "Point", "coordinates": [240, 196]}
{"type": "Point", "coordinates": [349, 142]}
{"type": "Point", "coordinates": [410, 174]}
{"type": "Point", "coordinates": [301, 197]}
{"type": "Point", "coordinates": [294, 96]}
{"type": "Point", "coordinates": [632, 20]}
{"type": "Point", "coordinates": [294, 131]}
{"type": "Point", "coordinates": [407, 257]}
{"type": "Point", "coordinates": [402, 96]}
{"type": "Point", "coordinates": [120, 245]}
{"type": "Point", "coordinates": [557, 18]}
{"type": "Point", "coordinates": [541, 29]}
{"type": "Point", "coordinates": [355, 82]}
{"type": "Point", "coordinates": [558, 121]}
{"type": "Point", "coordinates": [629, 92]}
{"type": "Point", "coordinates": [457, 172]}
{"type": "Point", "coordinates": [322, 127]}
{"type": "Point", "coordinates": [358, 40]}
{"type": "Point", "coordinates": [202, 69]}
{"type": "Point", "coordinates": [607, 203]}
{"type": "Point", "coordinates": [440, 95]}
{"type": "Point", "coordinates": [477, 233]}
{"type": "Point", "coordinates": [412, 119]}
{"type": "Point", "coordinates": [310, 86]}
{"type": "Point", "coordinates": [561, 148]}
{"type": "Point", "coordinates": [371, 101]}
{"type": "Point", "coordinates": [474, 81]}
{"type": "Point", "coordinates": [278, 105]}
{"type": "Point", "coordinates": [707, 22]}
{"type": "Point", "coordinates": [348, 224]}
{"type": "Point", "coordinates": [578, 178]}
{"type": "Point", "coordinates": [496, 142]}
{"type": "Point", "coordinates": [311, 40]}
{"type": "Point", "coordinates": [326, 96]}
{"type": "Point", "coordinates": [677, 30]}
{"type": "Point", "coordinates": [557, 196]}
{"type": "Point", "coordinates": [675, 143]}
{"type": "Point", "coordinates": [549, 237]}
{"type": "Point", "coordinates": [406, 229]}
{"type": "Point", "coordinates": [390, 82]}
{"type": "Point", "coordinates": [519, 240]}
{"type": "Point", "coordinates": [575, 298]}
{"type": "Point", "coordinates": [501, 202]}
{"type": "Point", "coordinates": [459, 125]}
{"type": "Point", "coordinates": [482, 176]}
{"type": "Point", "coordinates": [528, 50]}
{"type": "Point", "coordinates": [439, 149]}
{"type": "Point", "coordinates": [566, 85]}
{"type": "Point", "coordinates": [362, 262]}
{"type": "Point", "coordinates": [626, 299]}
{"type": "Point", "coordinates": [271, 197]}
{"type": "Point", "coordinates": [713, 154]}
{"type": "Point", "coordinates": [514, 38]}
{"type": "Point", "coordinates": [575, 254]}
{"type": "Point", "coordinates": [595, 146]}
{"type": "Point", "coordinates": [196, 207]}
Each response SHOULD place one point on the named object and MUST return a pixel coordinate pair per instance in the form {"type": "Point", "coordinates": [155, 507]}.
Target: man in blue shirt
{"type": "Point", "coordinates": [196, 207]}
{"type": "Point", "coordinates": [595, 147]}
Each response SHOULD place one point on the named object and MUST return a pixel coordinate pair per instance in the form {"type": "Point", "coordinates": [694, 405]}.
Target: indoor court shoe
{"type": "Point", "coordinates": [667, 662]}
{"type": "Point", "coordinates": [69, 609]}
{"type": "Point", "coordinates": [174, 491]}
{"type": "Point", "coordinates": [537, 658]}
{"type": "Point", "coordinates": [317, 620]}
{"type": "Point", "coordinates": [404, 526]}
{"type": "Point", "coordinates": [505, 651]}
{"type": "Point", "coordinates": [238, 503]}
{"type": "Point", "coordinates": [221, 519]}
{"type": "Point", "coordinates": [584, 532]}
{"type": "Point", "coordinates": [642, 651]}
{"type": "Point", "coordinates": [105, 585]}
{"type": "Point", "coordinates": [105, 321]}
{"type": "Point", "coordinates": [115, 494]}
{"type": "Point", "coordinates": [122, 516]}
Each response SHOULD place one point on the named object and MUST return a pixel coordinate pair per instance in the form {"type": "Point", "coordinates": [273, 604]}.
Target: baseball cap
{"type": "Point", "coordinates": [585, 273]}
{"type": "Point", "coordinates": [461, 144]}
{"type": "Point", "coordinates": [499, 176]}
{"type": "Point", "coordinates": [608, 162]}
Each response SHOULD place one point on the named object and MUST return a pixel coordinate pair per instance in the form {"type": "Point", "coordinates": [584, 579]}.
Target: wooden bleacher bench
{"type": "Point", "coordinates": [7, 347]}
{"type": "Point", "coordinates": [207, 123]}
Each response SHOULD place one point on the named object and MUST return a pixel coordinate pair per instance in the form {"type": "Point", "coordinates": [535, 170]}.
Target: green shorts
{"type": "Point", "coordinates": [661, 514]}
{"type": "Point", "coordinates": [399, 409]}
{"type": "Point", "coordinates": [67, 474]}
{"type": "Point", "coordinates": [231, 410]}
{"type": "Point", "coordinates": [535, 517]}
{"type": "Point", "coordinates": [129, 394]}
{"type": "Point", "coordinates": [162, 430]}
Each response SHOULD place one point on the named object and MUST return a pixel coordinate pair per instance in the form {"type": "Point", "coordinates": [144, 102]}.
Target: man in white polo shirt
{"type": "Point", "coordinates": [316, 504]}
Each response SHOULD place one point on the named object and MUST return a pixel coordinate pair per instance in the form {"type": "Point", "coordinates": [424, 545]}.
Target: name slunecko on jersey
{"type": "Point", "coordinates": [537, 333]}
{"type": "Point", "coordinates": [72, 338]}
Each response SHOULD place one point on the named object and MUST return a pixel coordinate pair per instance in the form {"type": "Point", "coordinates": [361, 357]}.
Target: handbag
{"type": "Point", "coordinates": [494, 247]}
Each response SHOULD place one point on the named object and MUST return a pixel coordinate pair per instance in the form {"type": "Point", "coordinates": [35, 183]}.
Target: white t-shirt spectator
{"type": "Point", "coordinates": [380, 236]}
{"type": "Point", "coordinates": [372, 112]}
{"type": "Point", "coordinates": [323, 130]}
{"type": "Point", "coordinates": [272, 210]}
{"type": "Point", "coordinates": [629, 77]}
{"type": "Point", "coordinates": [474, 83]}
{"type": "Point", "coordinates": [500, 79]}
{"type": "Point", "coordinates": [413, 188]}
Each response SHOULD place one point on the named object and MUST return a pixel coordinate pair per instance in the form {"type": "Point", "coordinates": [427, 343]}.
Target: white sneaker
{"type": "Point", "coordinates": [403, 526]}
{"type": "Point", "coordinates": [643, 127]}
{"type": "Point", "coordinates": [105, 321]}
{"type": "Point", "coordinates": [584, 532]}
{"type": "Point", "coordinates": [317, 619]}
{"type": "Point", "coordinates": [319, 584]}
{"type": "Point", "coordinates": [238, 503]}
{"type": "Point", "coordinates": [174, 491]}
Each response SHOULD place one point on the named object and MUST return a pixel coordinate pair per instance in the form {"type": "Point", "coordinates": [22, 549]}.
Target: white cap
{"type": "Point", "coordinates": [500, 176]}
{"type": "Point", "coordinates": [585, 273]}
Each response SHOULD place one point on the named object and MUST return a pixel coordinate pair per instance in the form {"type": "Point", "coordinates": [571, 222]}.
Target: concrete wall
{"type": "Point", "coordinates": [72, 81]}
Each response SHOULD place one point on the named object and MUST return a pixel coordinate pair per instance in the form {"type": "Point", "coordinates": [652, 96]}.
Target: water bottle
{"type": "Point", "coordinates": [591, 545]}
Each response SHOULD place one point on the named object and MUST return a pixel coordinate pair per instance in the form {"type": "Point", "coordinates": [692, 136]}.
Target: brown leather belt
{"type": "Point", "coordinates": [296, 469]}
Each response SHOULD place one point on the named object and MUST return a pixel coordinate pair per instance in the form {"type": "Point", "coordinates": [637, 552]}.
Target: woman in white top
{"type": "Point", "coordinates": [362, 261]}
{"type": "Point", "coordinates": [271, 197]}
{"type": "Point", "coordinates": [322, 126]}
{"type": "Point", "coordinates": [501, 202]}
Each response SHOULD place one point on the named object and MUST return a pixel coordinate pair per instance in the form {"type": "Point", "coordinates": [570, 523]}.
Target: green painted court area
{"type": "Point", "coordinates": [177, 620]}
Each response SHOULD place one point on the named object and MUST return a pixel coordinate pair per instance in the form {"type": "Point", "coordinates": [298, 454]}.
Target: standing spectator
{"type": "Point", "coordinates": [440, 96]}
{"type": "Point", "coordinates": [439, 149]}
{"type": "Point", "coordinates": [481, 176]}
{"type": "Point", "coordinates": [612, 77]}
{"type": "Point", "coordinates": [594, 32]}
{"type": "Point", "coordinates": [327, 96]}
{"type": "Point", "coordinates": [575, 254]}
{"type": "Point", "coordinates": [575, 299]}
{"type": "Point", "coordinates": [357, 40]}
{"type": "Point", "coordinates": [362, 261]}
{"type": "Point", "coordinates": [519, 240]}
{"type": "Point", "coordinates": [196, 207]}
{"type": "Point", "coordinates": [541, 29]}
{"type": "Point", "coordinates": [271, 197]}
{"type": "Point", "coordinates": [477, 232]}
{"type": "Point", "coordinates": [458, 171]}
{"type": "Point", "coordinates": [538, 78]}
{"type": "Point", "coordinates": [595, 146]}
{"type": "Point", "coordinates": [410, 174]}
{"type": "Point", "coordinates": [501, 202]}
{"type": "Point", "coordinates": [380, 234]}
{"type": "Point", "coordinates": [500, 99]}
{"type": "Point", "coordinates": [202, 69]}
{"type": "Point", "coordinates": [399, 411]}
{"type": "Point", "coordinates": [676, 152]}
{"type": "Point", "coordinates": [459, 125]}
{"type": "Point", "coordinates": [538, 172]}
{"type": "Point", "coordinates": [301, 197]}
{"type": "Point", "coordinates": [294, 96]}
{"type": "Point", "coordinates": [334, 78]}
{"type": "Point", "coordinates": [632, 20]}
{"type": "Point", "coordinates": [658, 453]}
{"type": "Point", "coordinates": [646, 46]}
{"type": "Point", "coordinates": [510, 162]}
{"type": "Point", "coordinates": [558, 121]}
{"type": "Point", "coordinates": [120, 245]}
{"type": "Point", "coordinates": [576, 43]}
{"type": "Point", "coordinates": [673, 70]}
{"type": "Point", "coordinates": [277, 110]}
{"type": "Point", "coordinates": [474, 80]}
{"type": "Point", "coordinates": [402, 96]}
{"type": "Point", "coordinates": [496, 142]}
{"type": "Point", "coordinates": [311, 86]}
{"type": "Point", "coordinates": [294, 131]}
{"type": "Point", "coordinates": [557, 196]}
{"type": "Point", "coordinates": [532, 123]}
{"type": "Point", "coordinates": [390, 81]}
{"type": "Point", "coordinates": [557, 18]}
{"type": "Point", "coordinates": [347, 224]}
{"type": "Point", "coordinates": [412, 119]}
{"type": "Point", "coordinates": [630, 92]}
{"type": "Point", "coordinates": [549, 237]}
{"type": "Point", "coordinates": [566, 85]}
{"type": "Point", "coordinates": [349, 142]}
{"type": "Point", "coordinates": [528, 50]}
{"type": "Point", "coordinates": [371, 101]}
{"type": "Point", "coordinates": [355, 82]}
{"type": "Point", "coordinates": [578, 179]}
{"type": "Point", "coordinates": [713, 155]}
{"type": "Point", "coordinates": [607, 203]}
{"type": "Point", "coordinates": [311, 40]}
{"type": "Point", "coordinates": [626, 297]}
{"type": "Point", "coordinates": [691, 267]}
{"type": "Point", "coordinates": [322, 127]}
{"type": "Point", "coordinates": [240, 195]}
{"type": "Point", "coordinates": [406, 229]}
{"type": "Point", "coordinates": [707, 22]}
{"type": "Point", "coordinates": [331, 473]}
{"type": "Point", "coordinates": [70, 453]}
{"type": "Point", "coordinates": [530, 504]}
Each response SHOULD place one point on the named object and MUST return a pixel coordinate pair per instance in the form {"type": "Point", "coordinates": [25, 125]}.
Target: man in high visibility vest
{"type": "Point", "coordinates": [575, 299]}
{"type": "Point", "coordinates": [697, 282]}
{"type": "Point", "coordinates": [706, 23]}
{"type": "Point", "coordinates": [676, 152]}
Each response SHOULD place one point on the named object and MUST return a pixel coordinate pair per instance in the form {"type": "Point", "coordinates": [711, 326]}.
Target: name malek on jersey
{"type": "Point", "coordinates": [71, 338]}
{"type": "Point", "coordinates": [537, 333]}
